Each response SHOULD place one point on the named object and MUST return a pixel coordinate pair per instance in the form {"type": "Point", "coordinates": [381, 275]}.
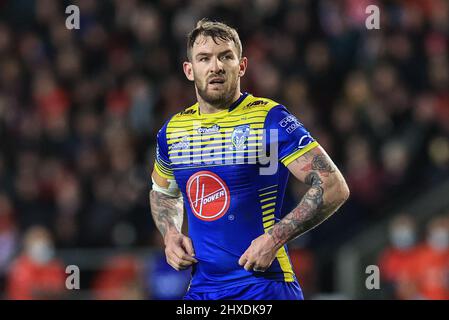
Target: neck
{"type": "Point", "coordinates": [206, 107]}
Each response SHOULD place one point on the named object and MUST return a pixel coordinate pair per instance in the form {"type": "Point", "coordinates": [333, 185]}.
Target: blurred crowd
{"type": "Point", "coordinates": [79, 109]}
{"type": "Point", "coordinates": [416, 263]}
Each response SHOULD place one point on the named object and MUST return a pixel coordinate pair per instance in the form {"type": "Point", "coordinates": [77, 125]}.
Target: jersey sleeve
{"type": "Point", "coordinates": [162, 165]}
{"type": "Point", "coordinates": [293, 140]}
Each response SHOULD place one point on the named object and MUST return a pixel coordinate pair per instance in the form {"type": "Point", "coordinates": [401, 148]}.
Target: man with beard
{"type": "Point", "coordinates": [211, 159]}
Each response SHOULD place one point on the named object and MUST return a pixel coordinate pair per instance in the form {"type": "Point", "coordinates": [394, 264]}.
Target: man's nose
{"type": "Point", "coordinates": [217, 66]}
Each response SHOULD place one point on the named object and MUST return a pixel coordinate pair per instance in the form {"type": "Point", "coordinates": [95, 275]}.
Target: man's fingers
{"type": "Point", "coordinates": [172, 264]}
{"type": "Point", "coordinates": [187, 243]}
{"type": "Point", "coordinates": [177, 263]}
{"type": "Point", "coordinates": [182, 254]}
{"type": "Point", "coordinates": [243, 259]}
{"type": "Point", "coordinates": [249, 265]}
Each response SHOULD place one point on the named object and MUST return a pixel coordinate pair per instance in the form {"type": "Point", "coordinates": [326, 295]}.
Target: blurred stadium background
{"type": "Point", "coordinates": [79, 110]}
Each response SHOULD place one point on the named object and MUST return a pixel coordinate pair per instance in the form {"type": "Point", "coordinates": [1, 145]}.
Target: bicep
{"type": "Point", "coordinates": [315, 166]}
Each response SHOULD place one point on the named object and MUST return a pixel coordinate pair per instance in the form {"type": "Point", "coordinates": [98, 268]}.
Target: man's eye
{"type": "Point", "coordinates": [203, 59]}
{"type": "Point", "coordinates": [228, 57]}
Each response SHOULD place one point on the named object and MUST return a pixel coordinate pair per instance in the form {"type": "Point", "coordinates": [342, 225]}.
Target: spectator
{"type": "Point", "coordinates": [36, 273]}
{"type": "Point", "coordinates": [433, 261]}
{"type": "Point", "coordinates": [397, 262]}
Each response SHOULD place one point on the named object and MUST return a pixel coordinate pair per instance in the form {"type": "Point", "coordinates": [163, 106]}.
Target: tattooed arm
{"type": "Point", "coordinates": [167, 212]}
{"type": "Point", "coordinates": [328, 191]}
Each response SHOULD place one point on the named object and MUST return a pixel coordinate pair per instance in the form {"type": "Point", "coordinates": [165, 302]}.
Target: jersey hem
{"type": "Point", "coordinates": [202, 289]}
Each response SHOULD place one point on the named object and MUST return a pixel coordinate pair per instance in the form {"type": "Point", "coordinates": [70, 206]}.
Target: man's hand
{"type": "Point", "coordinates": [179, 251]}
{"type": "Point", "coordinates": [260, 254]}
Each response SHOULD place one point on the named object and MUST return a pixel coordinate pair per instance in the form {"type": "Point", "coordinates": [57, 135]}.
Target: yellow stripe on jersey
{"type": "Point", "coordinates": [285, 264]}
{"type": "Point", "coordinates": [267, 199]}
{"type": "Point", "coordinates": [266, 218]}
{"type": "Point", "coordinates": [189, 155]}
{"type": "Point", "coordinates": [202, 166]}
{"type": "Point", "coordinates": [267, 193]}
{"type": "Point", "coordinates": [223, 161]}
{"type": "Point", "coordinates": [281, 255]}
{"type": "Point", "coordinates": [194, 129]}
{"type": "Point", "coordinates": [268, 211]}
{"type": "Point", "coordinates": [295, 155]}
{"type": "Point", "coordinates": [215, 147]}
{"type": "Point", "coordinates": [268, 224]}
{"type": "Point", "coordinates": [163, 173]}
{"type": "Point", "coordinates": [210, 138]}
{"type": "Point", "coordinates": [230, 118]}
{"type": "Point", "coordinates": [269, 205]}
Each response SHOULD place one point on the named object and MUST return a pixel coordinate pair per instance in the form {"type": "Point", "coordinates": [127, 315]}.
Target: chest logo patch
{"type": "Point", "coordinates": [208, 195]}
{"type": "Point", "coordinates": [239, 137]}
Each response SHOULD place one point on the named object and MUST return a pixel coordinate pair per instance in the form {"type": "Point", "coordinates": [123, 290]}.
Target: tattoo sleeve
{"type": "Point", "coordinates": [167, 211]}
{"type": "Point", "coordinates": [323, 198]}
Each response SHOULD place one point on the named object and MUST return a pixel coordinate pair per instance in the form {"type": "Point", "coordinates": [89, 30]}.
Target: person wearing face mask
{"type": "Point", "coordinates": [397, 262]}
{"type": "Point", "coordinates": [433, 261]}
{"type": "Point", "coordinates": [36, 273]}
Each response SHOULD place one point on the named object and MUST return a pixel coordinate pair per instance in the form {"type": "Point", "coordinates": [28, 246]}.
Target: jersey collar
{"type": "Point", "coordinates": [234, 105]}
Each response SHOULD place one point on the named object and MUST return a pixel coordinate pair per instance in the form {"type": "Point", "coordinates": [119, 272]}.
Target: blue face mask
{"type": "Point", "coordinates": [41, 252]}
{"type": "Point", "coordinates": [438, 239]}
{"type": "Point", "coordinates": [402, 237]}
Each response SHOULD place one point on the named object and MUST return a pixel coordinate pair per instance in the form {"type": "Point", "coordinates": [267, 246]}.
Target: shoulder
{"type": "Point", "coordinates": [252, 103]}
{"type": "Point", "coordinates": [187, 114]}
{"type": "Point", "coordinates": [272, 109]}
{"type": "Point", "coordinates": [177, 119]}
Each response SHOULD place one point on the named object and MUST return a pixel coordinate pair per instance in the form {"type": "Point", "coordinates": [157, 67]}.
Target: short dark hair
{"type": "Point", "coordinates": [216, 30]}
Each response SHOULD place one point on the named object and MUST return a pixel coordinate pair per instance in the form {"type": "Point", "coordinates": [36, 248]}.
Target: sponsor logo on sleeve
{"type": "Point", "coordinates": [304, 141]}
{"type": "Point", "coordinates": [290, 123]}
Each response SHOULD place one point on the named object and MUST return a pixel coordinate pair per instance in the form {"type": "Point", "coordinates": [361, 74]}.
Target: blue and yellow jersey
{"type": "Point", "coordinates": [217, 161]}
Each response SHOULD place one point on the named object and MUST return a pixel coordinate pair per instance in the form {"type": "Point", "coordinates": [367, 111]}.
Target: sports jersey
{"type": "Point", "coordinates": [231, 168]}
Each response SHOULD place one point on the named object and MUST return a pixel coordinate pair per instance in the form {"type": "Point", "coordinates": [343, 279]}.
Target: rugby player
{"type": "Point", "coordinates": [209, 161]}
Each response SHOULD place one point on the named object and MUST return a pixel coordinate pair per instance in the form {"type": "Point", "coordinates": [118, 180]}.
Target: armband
{"type": "Point", "coordinates": [172, 190]}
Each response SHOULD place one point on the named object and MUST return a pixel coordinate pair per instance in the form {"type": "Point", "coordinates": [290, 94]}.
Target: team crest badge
{"type": "Point", "coordinates": [239, 137]}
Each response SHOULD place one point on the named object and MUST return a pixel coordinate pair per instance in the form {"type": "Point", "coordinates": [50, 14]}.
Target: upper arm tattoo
{"type": "Point", "coordinates": [319, 164]}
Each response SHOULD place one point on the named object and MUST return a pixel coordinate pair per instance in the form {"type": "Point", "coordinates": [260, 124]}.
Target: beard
{"type": "Point", "coordinates": [220, 99]}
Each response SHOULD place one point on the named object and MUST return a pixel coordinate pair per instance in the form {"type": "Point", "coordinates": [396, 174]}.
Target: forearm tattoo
{"type": "Point", "coordinates": [167, 211]}
{"type": "Point", "coordinates": [312, 209]}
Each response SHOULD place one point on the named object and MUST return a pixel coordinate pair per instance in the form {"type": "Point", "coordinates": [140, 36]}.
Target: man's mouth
{"type": "Point", "coordinates": [216, 81]}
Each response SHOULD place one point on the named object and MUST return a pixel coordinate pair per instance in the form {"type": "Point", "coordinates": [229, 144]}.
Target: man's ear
{"type": "Point", "coordinates": [243, 65]}
{"type": "Point", "coordinates": [188, 71]}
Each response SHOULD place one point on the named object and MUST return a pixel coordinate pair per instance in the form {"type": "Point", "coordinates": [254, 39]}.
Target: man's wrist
{"type": "Point", "coordinates": [275, 243]}
{"type": "Point", "coordinates": [172, 231]}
